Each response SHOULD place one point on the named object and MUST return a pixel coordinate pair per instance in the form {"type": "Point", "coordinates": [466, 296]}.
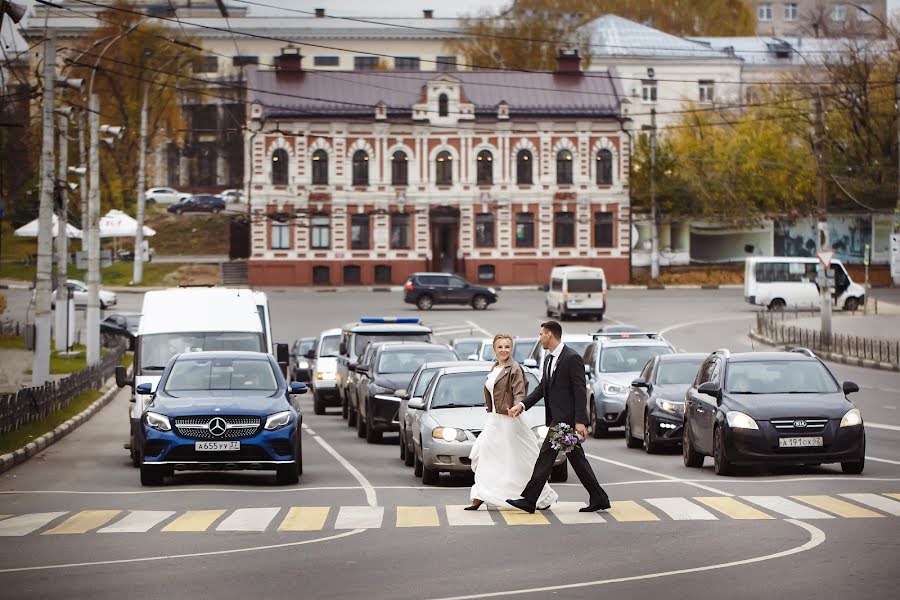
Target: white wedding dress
{"type": "Point", "coordinates": [503, 458]}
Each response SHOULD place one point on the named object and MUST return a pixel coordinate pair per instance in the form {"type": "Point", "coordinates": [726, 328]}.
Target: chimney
{"type": "Point", "coordinates": [568, 62]}
{"type": "Point", "coordinates": [290, 61]}
{"type": "Point", "coordinates": [320, 13]}
{"type": "Point", "coordinates": [428, 13]}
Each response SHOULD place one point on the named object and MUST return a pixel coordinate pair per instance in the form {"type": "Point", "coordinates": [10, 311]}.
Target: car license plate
{"type": "Point", "coordinates": [216, 446]}
{"type": "Point", "coordinates": [799, 442]}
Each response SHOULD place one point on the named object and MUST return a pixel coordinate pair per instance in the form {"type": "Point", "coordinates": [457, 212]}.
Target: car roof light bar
{"type": "Point", "coordinates": [389, 320]}
{"type": "Point", "coordinates": [615, 335]}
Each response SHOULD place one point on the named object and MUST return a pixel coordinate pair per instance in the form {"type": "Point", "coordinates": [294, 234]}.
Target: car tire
{"type": "Point", "coordinates": [135, 455]}
{"type": "Point", "coordinates": [417, 465]}
{"type": "Point", "coordinates": [777, 305]}
{"type": "Point", "coordinates": [318, 405]}
{"type": "Point", "coordinates": [152, 475]}
{"type": "Point", "coordinates": [410, 457]}
{"type": "Point", "coordinates": [721, 466]}
{"type": "Point", "coordinates": [630, 440]}
{"type": "Point", "coordinates": [424, 302]}
{"type": "Point", "coordinates": [344, 414]}
{"type": "Point", "coordinates": [549, 313]}
{"type": "Point", "coordinates": [299, 453]}
{"type": "Point", "coordinates": [351, 416]}
{"type": "Point", "coordinates": [216, 211]}
{"type": "Point", "coordinates": [402, 447]}
{"type": "Point", "coordinates": [598, 430]}
{"type": "Point", "coordinates": [373, 436]}
{"type": "Point", "coordinates": [287, 474]}
{"type": "Point", "coordinates": [562, 315]}
{"type": "Point", "coordinates": [650, 445]}
{"type": "Point", "coordinates": [102, 306]}
{"type": "Point", "coordinates": [600, 316]}
{"type": "Point", "coordinates": [691, 457]}
{"type": "Point", "coordinates": [430, 476]}
{"type": "Point", "coordinates": [560, 473]}
{"type": "Point", "coordinates": [479, 302]}
{"type": "Point", "coordinates": [360, 425]}
{"type": "Point", "coordinates": [855, 467]}
{"type": "Point", "coordinates": [851, 304]}
{"type": "Point", "coordinates": [179, 211]}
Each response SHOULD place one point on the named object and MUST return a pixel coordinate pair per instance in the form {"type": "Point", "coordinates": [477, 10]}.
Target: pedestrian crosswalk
{"type": "Point", "coordinates": [279, 519]}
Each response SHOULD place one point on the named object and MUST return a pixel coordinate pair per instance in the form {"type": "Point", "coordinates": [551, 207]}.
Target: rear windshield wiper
{"type": "Point", "coordinates": [154, 368]}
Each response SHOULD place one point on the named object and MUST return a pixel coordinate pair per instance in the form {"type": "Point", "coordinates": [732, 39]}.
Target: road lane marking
{"type": "Point", "coordinates": [703, 322]}
{"type": "Point", "coordinates": [884, 460]}
{"type": "Point", "coordinates": [682, 509]}
{"type": "Point", "coordinates": [138, 521]}
{"type": "Point", "coordinates": [897, 496]}
{"type": "Point", "coordinates": [4, 517]}
{"type": "Point", "coordinates": [788, 508]}
{"type": "Point", "coordinates": [187, 489]}
{"type": "Point", "coordinates": [875, 501]}
{"type": "Point", "coordinates": [25, 524]}
{"type": "Point", "coordinates": [629, 510]}
{"type": "Point", "coordinates": [417, 516]}
{"type": "Point", "coordinates": [249, 519]}
{"type": "Point", "coordinates": [882, 426]}
{"type": "Point", "coordinates": [518, 517]}
{"type": "Point", "coordinates": [567, 513]}
{"type": "Point", "coordinates": [359, 517]}
{"type": "Point", "coordinates": [194, 520]}
{"type": "Point", "coordinates": [305, 518]}
{"type": "Point", "coordinates": [371, 497]}
{"type": "Point", "coordinates": [660, 475]}
{"type": "Point", "coordinates": [816, 538]}
{"type": "Point", "coordinates": [733, 508]}
{"type": "Point", "coordinates": [481, 329]}
{"type": "Point", "coordinates": [83, 522]}
{"type": "Point", "coordinates": [457, 516]}
{"type": "Point", "coordinates": [838, 507]}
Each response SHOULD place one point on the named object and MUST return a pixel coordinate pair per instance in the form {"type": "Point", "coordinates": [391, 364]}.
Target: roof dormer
{"type": "Point", "coordinates": [443, 102]}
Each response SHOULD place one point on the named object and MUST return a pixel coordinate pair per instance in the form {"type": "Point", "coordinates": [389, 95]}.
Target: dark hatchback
{"type": "Point", "coordinates": [221, 411]}
{"type": "Point", "coordinates": [428, 289]}
{"type": "Point", "coordinates": [197, 203]}
{"type": "Point", "coordinates": [121, 325]}
{"type": "Point", "coordinates": [771, 408]}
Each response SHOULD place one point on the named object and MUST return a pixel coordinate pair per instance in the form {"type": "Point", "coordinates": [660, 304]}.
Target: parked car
{"type": "Point", "coordinates": [390, 367]}
{"type": "Point", "coordinates": [623, 331]}
{"type": "Point", "coordinates": [79, 290]}
{"type": "Point", "coordinates": [522, 347]}
{"type": "Point", "coordinates": [654, 410]}
{"type": "Point", "coordinates": [123, 325]}
{"type": "Point", "coordinates": [576, 291]}
{"type": "Point", "coordinates": [164, 195]}
{"type": "Point", "coordinates": [198, 203]}
{"type": "Point", "coordinates": [779, 282]}
{"type": "Point", "coordinates": [450, 417]}
{"type": "Point", "coordinates": [578, 342]}
{"type": "Point", "coordinates": [324, 370]}
{"type": "Point", "coordinates": [428, 289]}
{"type": "Point", "coordinates": [465, 347]}
{"type": "Point", "coordinates": [611, 364]}
{"type": "Point", "coordinates": [415, 390]}
{"type": "Point", "coordinates": [221, 410]}
{"type": "Point", "coordinates": [302, 354]}
{"type": "Point", "coordinates": [232, 196]}
{"type": "Point", "coordinates": [771, 408]}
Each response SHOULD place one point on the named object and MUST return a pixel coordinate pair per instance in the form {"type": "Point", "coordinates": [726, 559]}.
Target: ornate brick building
{"type": "Point", "coordinates": [366, 177]}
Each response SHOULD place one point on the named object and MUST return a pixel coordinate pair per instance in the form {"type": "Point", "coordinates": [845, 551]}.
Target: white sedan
{"type": "Point", "coordinates": [80, 295]}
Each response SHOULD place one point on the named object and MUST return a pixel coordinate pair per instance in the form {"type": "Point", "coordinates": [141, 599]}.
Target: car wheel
{"type": "Point", "coordinates": [598, 430]}
{"type": "Point", "coordinates": [688, 454]}
{"type": "Point", "coordinates": [409, 459]}
{"type": "Point", "coordinates": [152, 475]}
{"type": "Point", "coordinates": [599, 316]}
{"type": "Point", "coordinates": [720, 464]}
{"type": "Point", "coordinates": [777, 305]}
{"type": "Point", "coordinates": [851, 304]}
{"type": "Point", "coordinates": [424, 302]}
{"type": "Point", "coordinates": [855, 467]}
{"type": "Point", "coordinates": [650, 446]}
{"type": "Point", "coordinates": [417, 465]}
{"type": "Point", "coordinates": [360, 425]}
{"type": "Point", "coordinates": [430, 476]}
{"type": "Point", "coordinates": [299, 454]}
{"type": "Point", "coordinates": [562, 315]}
{"type": "Point", "coordinates": [351, 415]}
{"type": "Point", "coordinates": [344, 414]}
{"type": "Point", "coordinates": [318, 405]}
{"type": "Point", "coordinates": [102, 305]}
{"type": "Point", "coordinates": [135, 456]}
{"type": "Point", "coordinates": [373, 436]}
{"type": "Point", "coordinates": [402, 447]}
{"type": "Point", "coordinates": [549, 313]}
{"type": "Point", "coordinates": [479, 302]}
{"type": "Point", "coordinates": [560, 473]}
{"type": "Point", "coordinates": [630, 440]}
{"type": "Point", "coordinates": [287, 474]}
{"type": "Point", "coordinates": [216, 211]}
{"type": "Point", "coordinates": [179, 211]}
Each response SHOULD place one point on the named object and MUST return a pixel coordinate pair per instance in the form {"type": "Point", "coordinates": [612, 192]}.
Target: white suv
{"type": "Point", "coordinates": [164, 195]}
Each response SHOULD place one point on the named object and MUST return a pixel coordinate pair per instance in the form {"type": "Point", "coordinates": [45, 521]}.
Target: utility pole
{"type": "Point", "coordinates": [40, 366]}
{"type": "Point", "coordinates": [82, 126]}
{"type": "Point", "coordinates": [825, 301]}
{"type": "Point", "coordinates": [93, 235]}
{"type": "Point", "coordinates": [138, 273]}
{"type": "Point", "coordinates": [654, 211]}
{"type": "Point", "coordinates": [62, 239]}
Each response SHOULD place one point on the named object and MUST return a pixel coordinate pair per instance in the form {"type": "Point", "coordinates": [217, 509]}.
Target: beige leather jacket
{"type": "Point", "coordinates": [509, 388]}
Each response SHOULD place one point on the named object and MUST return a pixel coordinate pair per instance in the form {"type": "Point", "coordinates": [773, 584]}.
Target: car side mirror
{"type": "Point", "coordinates": [311, 354]}
{"type": "Point", "coordinates": [849, 387]}
{"type": "Point", "coordinates": [362, 369]}
{"type": "Point", "coordinates": [144, 389]}
{"type": "Point", "coordinates": [472, 357]}
{"type": "Point", "coordinates": [402, 394]}
{"type": "Point", "coordinates": [298, 388]}
{"type": "Point", "coordinates": [640, 382]}
{"type": "Point", "coordinates": [416, 404]}
{"type": "Point", "coordinates": [352, 367]}
{"type": "Point", "coordinates": [710, 388]}
{"type": "Point", "coordinates": [282, 353]}
{"type": "Point", "coordinates": [530, 363]}
{"type": "Point", "coordinates": [343, 348]}
{"type": "Point", "coordinates": [122, 378]}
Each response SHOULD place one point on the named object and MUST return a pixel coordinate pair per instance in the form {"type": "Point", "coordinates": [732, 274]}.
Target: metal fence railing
{"type": "Point", "coordinates": [774, 327]}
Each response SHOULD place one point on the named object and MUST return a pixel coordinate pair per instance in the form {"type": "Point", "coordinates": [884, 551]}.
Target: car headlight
{"type": "Point", "coordinates": [613, 389]}
{"type": "Point", "coordinates": [738, 420]}
{"type": "Point", "coordinates": [278, 420]}
{"type": "Point", "coordinates": [851, 418]}
{"type": "Point", "coordinates": [157, 421]}
{"type": "Point", "coordinates": [448, 434]}
{"type": "Point", "coordinates": [492, 290]}
{"type": "Point", "coordinates": [303, 364]}
{"type": "Point", "coordinates": [326, 375]}
{"type": "Point", "coordinates": [541, 431]}
{"type": "Point", "coordinates": [671, 406]}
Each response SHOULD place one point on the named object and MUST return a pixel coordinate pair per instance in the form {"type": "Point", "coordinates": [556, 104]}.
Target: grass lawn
{"type": "Point", "coordinates": [12, 342]}
{"type": "Point", "coordinates": [197, 234]}
{"type": "Point", "coordinates": [117, 274]}
{"type": "Point", "coordinates": [20, 437]}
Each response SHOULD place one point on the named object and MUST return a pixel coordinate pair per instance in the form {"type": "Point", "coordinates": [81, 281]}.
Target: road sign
{"type": "Point", "coordinates": [825, 257]}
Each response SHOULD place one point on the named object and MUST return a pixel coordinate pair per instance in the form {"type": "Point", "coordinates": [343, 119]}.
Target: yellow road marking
{"type": "Point", "coordinates": [194, 520]}
{"type": "Point", "coordinates": [84, 522]}
{"type": "Point", "coordinates": [517, 517]}
{"type": "Point", "coordinates": [838, 507]}
{"type": "Point", "coordinates": [4, 517]}
{"type": "Point", "coordinates": [305, 518]}
{"type": "Point", "coordinates": [733, 508]}
{"type": "Point", "coordinates": [629, 510]}
{"type": "Point", "coordinates": [417, 516]}
{"type": "Point", "coordinates": [896, 496]}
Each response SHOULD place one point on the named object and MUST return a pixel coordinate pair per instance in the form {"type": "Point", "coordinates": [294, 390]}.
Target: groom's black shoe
{"type": "Point", "coordinates": [522, 504]}
{"type": "Point", "coordinates": [595, 505]}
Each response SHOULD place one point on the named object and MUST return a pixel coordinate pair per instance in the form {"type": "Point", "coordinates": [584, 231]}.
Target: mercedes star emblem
{"type": "Point", "coordinates": [217, 427]}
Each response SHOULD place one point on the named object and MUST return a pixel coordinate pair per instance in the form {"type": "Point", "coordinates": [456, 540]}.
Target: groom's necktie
{"type": "Point", "coordinates": [549, 368]}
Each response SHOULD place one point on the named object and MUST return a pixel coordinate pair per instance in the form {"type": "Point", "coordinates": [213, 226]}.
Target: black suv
{"type": "Point", "coordinates": [427, 289]}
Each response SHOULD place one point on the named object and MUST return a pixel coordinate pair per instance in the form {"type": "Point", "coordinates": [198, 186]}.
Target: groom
{"type": "Point", "coordinates": [564, 392]}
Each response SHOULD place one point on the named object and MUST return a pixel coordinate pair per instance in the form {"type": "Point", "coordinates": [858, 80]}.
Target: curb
{"type": "Point", "coordinates": [11, 459]}
{"type": "Point", "coordinates": [499, 288]}
{"type": "Point", "coordinates": [832, 356]}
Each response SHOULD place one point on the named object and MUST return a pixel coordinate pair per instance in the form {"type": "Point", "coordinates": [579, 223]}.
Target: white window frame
{"type": "Point", "coordinates": [791, 11]}
{"type": "Point", "coordinates": [649, 91]}
{"type": "Point", "coordinates": [280, 236]}
{"type": "Point", "coordinates": [706, 90]}
{"type": "Point", "coordinates": [764, 11]}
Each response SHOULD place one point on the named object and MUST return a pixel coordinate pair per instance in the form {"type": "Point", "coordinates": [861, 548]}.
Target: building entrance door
{"type": "Point", "coordinates": [444, 222]}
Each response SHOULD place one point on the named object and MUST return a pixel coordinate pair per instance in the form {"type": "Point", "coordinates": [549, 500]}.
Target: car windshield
{"type": "Point", "coordinates": [424, 379]}
{"type": "Point", "coordinates": [680, 372]}
{"type": "Point", "coordinates": [199, 374]}
{"type": "Point", "coordinates": [624, 359]}
{"type": "Point", "coordinates": [466, 349]}
{"type": "Point", "coordinates": [132, 321]}
{"type": "Point", "coordinates": [579, 347]}
{"type": "Point", "coordinates": [331, 346]}
{"type": "Point", "coordinates": [407, 361]}
{"type": "Point", "coordinates": [156, 349]}
{"type": "Point", "coordinates": [363, 339]}
{"type": "Point", "coordinates": [522, 350]}
{"type": "Point", "coordinates": [305, 346]}
{"type": "Point", "coordinates": [779, 377]}
{"type": "Point", "coordinates": [459, 390]}
{"type": "Point", "coordinates": [487, 352]}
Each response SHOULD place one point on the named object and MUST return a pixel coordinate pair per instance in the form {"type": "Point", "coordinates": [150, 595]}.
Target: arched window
{"type": "Point", "coordinates": [564, 166]}
{"type": "Point", "coordinates": [485, 167]}
{"type": "Point", "coordinates": [523, 167]}
{"type": "Point", "coordinates": [442, 105]}
{"type": "Point", "coordinates": [443, 172]}
{"type": "Point", "coordinates": [320, 167]}
{"type": "Point", "coordinates": [360, 168]}
{"type": "Point", "coordinates": [280, 167]}
{"type": "Point", "coordinates": [399, 168]}
{"type": "Point", "coordinates": [604, 167]}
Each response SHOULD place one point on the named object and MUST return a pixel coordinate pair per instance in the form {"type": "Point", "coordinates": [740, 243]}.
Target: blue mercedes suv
{"type": "Point", "coordinates": [224, 410]}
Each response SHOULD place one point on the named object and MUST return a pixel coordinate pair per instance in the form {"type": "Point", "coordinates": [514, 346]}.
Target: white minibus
{"type": "Point", "coordinates": [790, 282]}
{"type": "Point", "coordinates": [576, 291]}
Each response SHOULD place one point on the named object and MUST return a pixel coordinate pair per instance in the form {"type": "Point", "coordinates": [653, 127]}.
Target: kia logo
{"type": "Point", "coordinates": [799, 423]}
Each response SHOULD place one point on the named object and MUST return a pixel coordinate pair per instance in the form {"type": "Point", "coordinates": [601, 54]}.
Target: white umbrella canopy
{"type": "Point", "coordinates": [115, 223]}
{"type": "Point", "coordinates": [31, 229]}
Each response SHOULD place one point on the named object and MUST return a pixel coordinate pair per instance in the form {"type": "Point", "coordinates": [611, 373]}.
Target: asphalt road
{"type": "Point", "coordinates": [360, 525]}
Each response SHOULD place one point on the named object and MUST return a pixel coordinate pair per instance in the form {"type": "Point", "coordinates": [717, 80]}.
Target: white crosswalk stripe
{"type": "Point", "coordinates": [682, 509]}
{"type": "Point", "coordinates": [875, 501]}
{"type": "Point", "coordinates": [360, 517]}
{"type": "Point", "coordinates": [788, 508]}
{"type": "Point", "coordinates": [25, 524]}
{"type": "Point", "coordinates": [248, 519]}
{"type": "Point", "coordinates": [567, 513]}
{"type": "Point", "coordinates": [138, 521]}
{"type": "Point", "coordinates": [457, 516]}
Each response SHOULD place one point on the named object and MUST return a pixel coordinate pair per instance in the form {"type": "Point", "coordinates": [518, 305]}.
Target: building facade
{"type": "Point", "coordinates": [497, 176]}
{"type": "Point", "coordinates": [818, 18]}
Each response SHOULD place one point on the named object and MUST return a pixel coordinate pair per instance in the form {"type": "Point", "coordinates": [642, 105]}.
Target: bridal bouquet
{"type": "Point", "coordinates": [563, 437]}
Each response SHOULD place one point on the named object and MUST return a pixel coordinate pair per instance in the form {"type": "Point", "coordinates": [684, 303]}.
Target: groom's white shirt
{"type": "Point", "coordinates": [555, 354]}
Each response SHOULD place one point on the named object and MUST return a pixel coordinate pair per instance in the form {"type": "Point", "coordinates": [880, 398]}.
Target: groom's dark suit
{"type": "Point", "coordinates": [565, 401]}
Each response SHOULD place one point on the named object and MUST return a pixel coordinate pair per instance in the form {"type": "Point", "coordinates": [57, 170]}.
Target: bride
{"type": "Point", "coordinates": [504, 454]}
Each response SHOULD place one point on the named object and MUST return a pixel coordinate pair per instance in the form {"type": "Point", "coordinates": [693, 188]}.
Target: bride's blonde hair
{"type": "Point", "coordinates": [502, 336]}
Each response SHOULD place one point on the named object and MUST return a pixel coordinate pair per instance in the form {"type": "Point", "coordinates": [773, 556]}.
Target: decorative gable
{"type": "Point", "coordinates": [443, 102]}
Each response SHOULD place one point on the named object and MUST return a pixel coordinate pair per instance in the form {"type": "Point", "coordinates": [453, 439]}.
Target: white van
{"type": "Point", "coordinates": [789, 282]}
{"type": "Point", "coordinates": [188, 320]}
{"type": "Point", "coordinates": [576, 291]}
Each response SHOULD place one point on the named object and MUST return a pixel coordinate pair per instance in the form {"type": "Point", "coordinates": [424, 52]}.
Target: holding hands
{"type": "Point", "coordinates": [516, 410]}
